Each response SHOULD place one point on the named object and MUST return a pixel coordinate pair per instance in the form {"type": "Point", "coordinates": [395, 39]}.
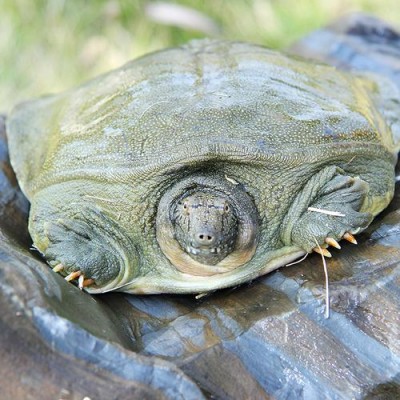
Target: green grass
{"type": "Point", "coordinates": [48, 46]}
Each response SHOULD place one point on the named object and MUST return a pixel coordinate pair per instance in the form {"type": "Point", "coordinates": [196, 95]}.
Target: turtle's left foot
{"type": "Point", "coordinates": [332, 242]}
{"type": "Point", "coordinates": [327, 210]}
{"type": "Point", "coordinates": [350, 238]}
{"type": "Point", "coordinates": [322, 251]}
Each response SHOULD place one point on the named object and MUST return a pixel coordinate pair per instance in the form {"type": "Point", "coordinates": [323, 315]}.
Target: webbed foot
{"type": "Point", "coordinates": [87, 248]}
{"type": "Point", "coordinates": [73, 252]}
{"type": "Point", "coordinates": [326, 211]}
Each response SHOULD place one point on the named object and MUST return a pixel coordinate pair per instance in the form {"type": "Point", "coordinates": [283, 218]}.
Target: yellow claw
{"type": "Point", "coordinates": [82, 282]}
{"type": "Point", "coordinates": [350, 238]}
{"type": "Point", "coordinates": [322, 251]}
{"type": "Point", "coordinates": [87, 282]}
{"type": "Point", "coordinates": [58, 268]}
{"type": "Point", "coordinates": [332, 242]}
{"type": "Point", "coordinates": [73, 275]}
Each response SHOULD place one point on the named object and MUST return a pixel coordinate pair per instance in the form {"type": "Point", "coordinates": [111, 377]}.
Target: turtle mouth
{"type": "Point", "coordinates": [198, 250]}
{"type": "Point", "coordinates": [209, 255]}
{"type": "Point", "coordinates": [220, 248]}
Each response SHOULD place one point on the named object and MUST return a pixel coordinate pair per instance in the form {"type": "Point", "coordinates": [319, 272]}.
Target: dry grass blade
{"type": "Point", "coordinates": [298, 261]}
{"type": "Point", "coordinates": [182, 16]}
{"type": "Point", "coordinates": [327, 310]}
{"type": "Point", "coordinates": [328, 212]}
{"type": "Point", "coordinates": [201, 295]}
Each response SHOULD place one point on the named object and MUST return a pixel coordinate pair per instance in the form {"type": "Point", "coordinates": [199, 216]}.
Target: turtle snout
{"type": "Point", "coordinates": [208, 245]}
{"type": "Point", "coordinates": [204, 238]}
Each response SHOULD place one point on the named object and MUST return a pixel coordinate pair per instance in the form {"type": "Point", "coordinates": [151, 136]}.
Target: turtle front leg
{"type": "Point", "coordinates": [327, 210]}
{"type": "Point", "coordinates": [86, 246]}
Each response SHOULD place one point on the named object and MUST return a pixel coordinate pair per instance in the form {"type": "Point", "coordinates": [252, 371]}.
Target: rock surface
{"type": "Point", "coordinates": [355, 42]}
{"type": "Point", "coordinates": [265, 340]}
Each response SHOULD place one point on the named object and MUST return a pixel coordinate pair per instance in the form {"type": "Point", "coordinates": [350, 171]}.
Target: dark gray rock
{"type": "Point", "coordinates": [355, 42]}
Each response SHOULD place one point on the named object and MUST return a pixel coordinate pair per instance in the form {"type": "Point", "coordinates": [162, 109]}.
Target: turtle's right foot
{"type": "Point", "coordinates": [82, 282]}
{"type": "Point", "coordinates": [58, 268]}
{"type": "Point", "coordinates": [73, 275]}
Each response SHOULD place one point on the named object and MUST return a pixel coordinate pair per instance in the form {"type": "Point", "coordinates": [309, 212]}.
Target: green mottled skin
{"type": "Point", "coordinates": [102, 155]}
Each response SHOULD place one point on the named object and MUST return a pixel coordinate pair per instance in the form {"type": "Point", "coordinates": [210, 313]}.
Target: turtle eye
{"type": "Point", "coordinates": [186, 206]}
{"type": "Point", "coordinates": [226, 208]}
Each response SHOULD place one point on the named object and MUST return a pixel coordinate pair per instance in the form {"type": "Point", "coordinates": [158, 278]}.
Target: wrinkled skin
{"type": "Point", "coordinates": [211, 123]}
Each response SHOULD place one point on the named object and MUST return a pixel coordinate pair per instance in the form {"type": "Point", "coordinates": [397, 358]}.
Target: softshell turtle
{"type": "Point", "coordinates": [203, 166]}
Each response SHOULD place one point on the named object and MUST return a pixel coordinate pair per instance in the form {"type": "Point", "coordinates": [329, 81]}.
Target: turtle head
{"type": "Point", "coordinates": [207, 225]}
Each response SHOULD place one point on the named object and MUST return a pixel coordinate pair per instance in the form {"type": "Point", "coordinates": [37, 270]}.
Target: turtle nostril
{"type": "Point", "coordinates": [205, 238]}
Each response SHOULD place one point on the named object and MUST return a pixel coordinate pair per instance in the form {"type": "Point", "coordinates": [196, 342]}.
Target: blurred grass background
{"type": "Point", "coordinates": [50, 45]}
